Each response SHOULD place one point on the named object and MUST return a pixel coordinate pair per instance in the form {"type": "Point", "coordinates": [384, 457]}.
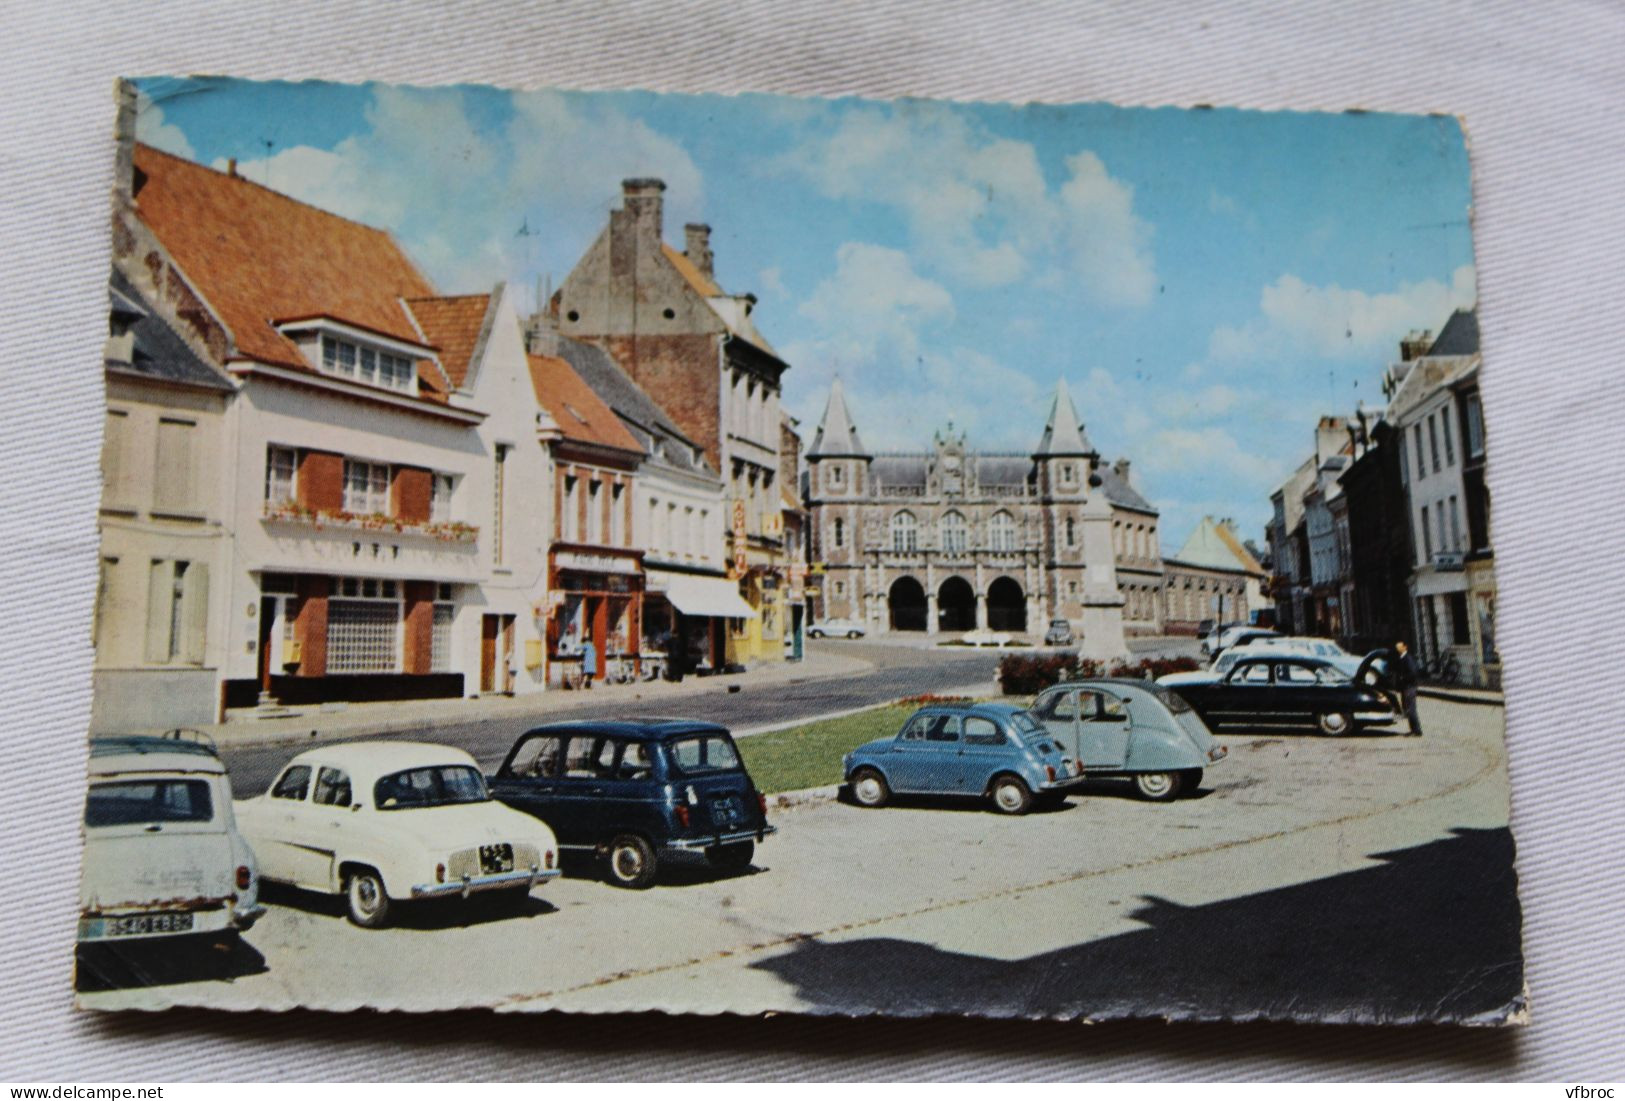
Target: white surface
{"type": "Point", "coordinates": [1539, 87]}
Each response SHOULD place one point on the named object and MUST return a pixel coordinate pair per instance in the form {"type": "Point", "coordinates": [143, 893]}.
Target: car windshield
{"type": "Point", "coordinates": [437, 786]}
{"type": "Point", "coordinates": [709, 753]}
{"type": "Point", "coordinates": [138, 802]}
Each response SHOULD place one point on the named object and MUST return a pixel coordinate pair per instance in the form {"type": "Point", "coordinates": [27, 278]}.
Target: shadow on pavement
{"type": "Point", "coordinates": [163, 962]}
{"type": "Point", "coordinates": [423, 914]}
{"type": "Point", "coordinates": [979, 804]}
{"type": "Point", "coordinates": [1431, 934]}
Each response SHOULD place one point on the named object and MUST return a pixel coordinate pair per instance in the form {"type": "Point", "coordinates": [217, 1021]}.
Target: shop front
{"type": "Point", "coordinates": [597, 612]}
{"type": "Point", "coordinates": [686, 616]}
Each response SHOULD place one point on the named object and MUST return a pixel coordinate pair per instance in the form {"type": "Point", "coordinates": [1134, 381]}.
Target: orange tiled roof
{"type": "Point", "coordinates": [580, 414]}
{"type": "Point", "coordinates": [1243, 555]}
{"type": "Point", "coordinates": [452, 325]}
{"type": "Point", "coordinates": [258, 256]}
{"type": "Point", "coordinates": [685, 267]}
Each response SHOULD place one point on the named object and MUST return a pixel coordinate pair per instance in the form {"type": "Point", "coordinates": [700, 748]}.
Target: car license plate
{"type": "Point", "coordinates": [725, 811]}
{"type": "Point", "coordinates": [495, 859]}
{"type": "Point", "coordinates": [135, 925]}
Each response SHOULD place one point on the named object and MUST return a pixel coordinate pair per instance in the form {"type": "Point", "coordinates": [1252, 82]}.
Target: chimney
{"type": "Point", "coordinates": [231, 168]}
{"type": "Point", "coordinates": [1120, 468]}
{"type": "Point", "coordinates": [697, 246]}
{"type": "Point", "coordinates": [641, 198]}
{"type": "Point", "coordinates": [1415, 344]}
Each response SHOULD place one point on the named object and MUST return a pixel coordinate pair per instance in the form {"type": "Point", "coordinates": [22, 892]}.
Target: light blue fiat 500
{"type": "Point", "coordinates": [991, 750]}
{"type": "Point", "coordinates": [1133, 729]}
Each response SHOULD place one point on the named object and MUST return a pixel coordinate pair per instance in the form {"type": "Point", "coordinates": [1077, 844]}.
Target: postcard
{"type": "Point", "coordinates": [613, 552]}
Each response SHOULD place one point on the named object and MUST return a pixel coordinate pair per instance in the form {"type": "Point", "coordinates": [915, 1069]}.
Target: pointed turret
{"type": "Point", "coordinates": [836, 437]}
{"type": "Point", "coordinates": [1063, 435]}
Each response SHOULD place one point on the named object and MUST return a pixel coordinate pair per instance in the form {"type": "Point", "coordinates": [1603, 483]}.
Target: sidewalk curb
{"type": "Point", "coordinates": [1484, 699]}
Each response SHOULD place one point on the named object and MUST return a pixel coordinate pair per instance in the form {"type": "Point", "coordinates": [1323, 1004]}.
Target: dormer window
{"type": "Point", "coordinates": [368, 365]}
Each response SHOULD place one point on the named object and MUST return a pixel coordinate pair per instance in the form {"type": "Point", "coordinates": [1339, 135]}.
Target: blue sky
{"type": "Point", "coordinates": [1209, 282]}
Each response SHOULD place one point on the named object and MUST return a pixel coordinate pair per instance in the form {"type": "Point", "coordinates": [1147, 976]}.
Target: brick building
{"type": "Point", "coordinates": [695, 349]}
{"type": "Point", "coordinates": [951, 539]}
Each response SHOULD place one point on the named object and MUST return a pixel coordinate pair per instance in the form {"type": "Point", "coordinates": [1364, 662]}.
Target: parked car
{"type": "Point", "coordinates": [1204, 628]}
{"type": "Point", "coordinates": [987, 750]}
{"type": "Point", "coordinates": [1059, 633]}
{"type": "Point", "coordinates": [1275, 689]}
{"type": "Point", "coordinates": [1323, 648]}
{"type": "Point", "coordinates": [1132, 729]}
{"type": "Point", "coordinates": [637, 792]}
{"type": "Point", "coordinates": [163, 856]}
{"type": "Point", "coordinates": [837, 628]}
{"type": "Point", "coordinates": [1235, 634]}
{"type": "Point", "coordinates": [385, 822]}
{"type": "Point", "coordinates": [982, 636]}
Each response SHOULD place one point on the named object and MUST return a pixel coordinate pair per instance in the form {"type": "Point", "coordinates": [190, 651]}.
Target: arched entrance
{"type": "Point", "coordinates": [907, 603]}
{"type": "Point", "coordinates": [1006, 606]}
{"type": "Point", "coordinates": [956, 605]}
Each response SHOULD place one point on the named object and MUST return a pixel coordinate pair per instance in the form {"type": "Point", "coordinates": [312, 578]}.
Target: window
{"type": "Point", "coordinates": [1071, 532]}
{"type": "Point", "coordinates": [1433, 442]}
{"type": "Point", "coordinates": [177, 611]}
{"type": "Point", "coordinates": [1068, 474]}
{"type": "Point", "coordinates": [363, 626]}
{"type": "Point", "coordinates": [173, 489]}
{"type": "Point", "coordinates": [595, 511]}
{"type": "Point", "coordinates": [1257, 673]}
{"type": "Point", "coordinates": [1061, 706]}
{"type": "Point", "coordinates": [440, 637]}
{"type": "Point", "coordinates": [1449, 444]}
{"type": "Point", "coordinates": [840, 588]}
{"type": "Point", "coordinates": [571, 527]}
{"type": "Point", "coordinates": [366, 488]}
{"type": "Point", "coordinates": [712, 753]}
{"type": "Point", "coordinates": [955, 537]}
{"type": "Point", "coordinates": [1459, 630]}
{"type": "Point", "coordinates": [332, 788]}
{"type": "Point", "coordinates": [115, 445]}
{"type": "Point", "coordinates": [143, 802]}
{"type": "Point", "coordinates": [1421, 459]}
{"type": "Point", "coordinates": [840, 533]}
{"type": "Point", "coordinates": [1404, 464]}
{"type": "Point", "coordinates": [904, 533]}
{"type": "Point", "coordinates": [539, 756]}
{"type": "Point", "coordinates": [281, 474]}
{"type": "Point", "coordinates": [440, 498]}
{"type": "Point", "coordinates": [706, 545]}
{"type": "Point", "coordinates": [617, 515]}
{"type": "Point", "coordinates": [1475, 426]}
{"type": "Point", "coordinates": [1427, 537]}
{"type": "Point", "coordinates": [837, 475]}
{"type": "Point", "coordinates": [439, 786]}
{"type": "Point", "coordinates": [375, 368]}
{"type": "Point", "coordinates": [932, 728]}
{"type": "Point", "coordinates": [294, 784]}
{"type": "Point", "coordinates": [980, 731]}
{"type": "Point", "coordinates": [1455, 524]}
{"type": "Point", "coordinates": [674, 534]}
{"type": "Point", "coordinates": [1001, 530]}
{"type": "Point", "coordinates": [1438, 511]}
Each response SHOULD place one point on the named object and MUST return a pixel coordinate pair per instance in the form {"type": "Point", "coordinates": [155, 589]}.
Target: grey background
{"type": "Point", "coordinates": [1538, 86]}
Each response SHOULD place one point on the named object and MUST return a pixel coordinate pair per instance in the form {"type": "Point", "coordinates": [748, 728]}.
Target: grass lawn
{"type": "Point", "coordinates": [809, 755]}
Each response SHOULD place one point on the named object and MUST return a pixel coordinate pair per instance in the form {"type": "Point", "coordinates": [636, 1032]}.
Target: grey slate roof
{"type": "Point", "coordinates": [643, 417]}
{"type": "Point", "coordinates": [899, 470]}
{"type": "Point", "coordinates": [1459, 337]}
{"type": "Point", "coordinates": [1063, 435]}
{"type": "Point", "coordinates": [1002, 470]}
{"type": "Point", "coordinates": [159, 351]}
{"type": "Point", "coordinates": [836, 434]}
{"type": "Point", "coordinates": [1119, 492]}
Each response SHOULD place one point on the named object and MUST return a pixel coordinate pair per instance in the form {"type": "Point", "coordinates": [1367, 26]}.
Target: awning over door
{"type": "Point", "coordinates": [692, 595]}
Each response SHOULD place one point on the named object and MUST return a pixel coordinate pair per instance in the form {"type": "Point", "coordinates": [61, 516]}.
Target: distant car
{"type": "Point", "coordinates": [1238, 634]}
{"type": "Point", "coordinates": [837, 628]}
{"type": "Point", "coordinates": [1284, 690]}
{"type": "Point", "coordinates": [636, 792]}
{"type": "Point", "coordinates": [1204, 628]}
{"type": "Point", "coordinates": [1323, 648]}
{"type": "Point", "coordinates": [163, 856]}
{"type": "Point", "coordinates": [989, 750]}
{"type": "Point", "coordinates": [982, 636]}
{"type": "Point", "coordinates": [1059, 633]}
{"type": "Point", "coordinates": [1210, 641]}
{"type": "Point", "coordinates": [1132, 729]}
{"type": "Point", "coordinates": [383, 822]}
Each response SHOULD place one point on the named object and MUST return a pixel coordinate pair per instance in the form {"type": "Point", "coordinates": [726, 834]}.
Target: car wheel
{"type": "Point", "coordinates": [869, 787]}
{"type": "Point", "coordinates": [731, 858]}
{"type": "Point", "coordinates": [851, 634]}
{"type": "Point", "coordinates": [815, 633]}
{"type": "Point", "coordinates": [1158, 787]}
{"type": "Point", "coordinates": [1189, 780]}
{"type": "Point", "coordinates": [1335, 723]}
{"type": "Point", "coordinates": [631, 862]}
{"type": "Point", "coordinates": [1011, 795]}
{"type": "Point", "coordinates": [365, 898]}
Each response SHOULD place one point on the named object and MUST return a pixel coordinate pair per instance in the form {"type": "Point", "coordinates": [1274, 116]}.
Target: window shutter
{"type": "Point", "coordinates": [195, 612]}
{"type": "Point", "coordinates": [173, 490]}
{"type": "Point", "coordinates": [159, 581]}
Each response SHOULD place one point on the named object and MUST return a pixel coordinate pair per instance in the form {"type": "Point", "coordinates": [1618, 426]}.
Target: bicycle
{"type": "Point", "coordinates": [1444, 669]}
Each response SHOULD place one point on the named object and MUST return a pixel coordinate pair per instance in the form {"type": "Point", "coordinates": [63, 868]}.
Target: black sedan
{"type": "Point", "coordinates": [1285, 691]}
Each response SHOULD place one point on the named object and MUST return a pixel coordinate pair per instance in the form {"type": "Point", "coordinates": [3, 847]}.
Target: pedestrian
{"type": "Point", "coordinates": [1405, 676]}
{"type": "Point", "coordinates": [589, 663]}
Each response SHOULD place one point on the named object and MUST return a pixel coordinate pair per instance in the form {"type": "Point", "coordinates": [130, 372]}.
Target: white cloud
{"type": "Point", "coordinates": [1297, 318]}
{"type": "Point", "coordinates": [151, 129]}
{"type": "Point", "coordinates": [874, 305]}
{"type": "Point", "coordinates": [457, 196]}
{"type": "Point", "coordinates": [977, 207]}
{"type": "Point", "coordinates": [771, 282]}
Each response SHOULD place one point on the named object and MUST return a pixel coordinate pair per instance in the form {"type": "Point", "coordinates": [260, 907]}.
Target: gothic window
{"type": "Point", "coordinates": [905, 538]}
{"type": "Point", "coordinates": [1001, 530]}
{"type": "Point", "coordinates": [840, 532]}
{"type": "Point", "coordinates": [1071, 532]}
{"type": "Point", "coordinates": [954, 537]}
{"type": "Point", "coordinates": [837, 475]}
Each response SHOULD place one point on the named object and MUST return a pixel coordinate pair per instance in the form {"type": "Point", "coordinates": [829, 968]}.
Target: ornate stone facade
{"type": "Point", "coordinates": [951, 539]}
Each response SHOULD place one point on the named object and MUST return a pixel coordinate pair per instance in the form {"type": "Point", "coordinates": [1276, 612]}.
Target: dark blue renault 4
{"type": "Point", "coordinates": [637, 791]}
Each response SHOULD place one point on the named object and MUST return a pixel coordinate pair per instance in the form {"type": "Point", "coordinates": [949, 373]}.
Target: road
{"type": "Point", "coordinates": [1365, 878]}
{"type": "Point", "coordinates": [897, 670]}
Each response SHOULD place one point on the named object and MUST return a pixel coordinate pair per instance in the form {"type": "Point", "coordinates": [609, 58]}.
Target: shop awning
{"type": "Point", "coordinates": [692, 595]}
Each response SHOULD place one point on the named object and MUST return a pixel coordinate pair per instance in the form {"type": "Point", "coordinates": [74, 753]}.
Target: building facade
{"type": "Point", "coordinates": [949, 540]}
{"type": "Point", "coordinates": [695, 349]}
{"type": "Point", "coordinates": [1212, 577]}
{"type": "Point", "coordinates": [1378, 611]}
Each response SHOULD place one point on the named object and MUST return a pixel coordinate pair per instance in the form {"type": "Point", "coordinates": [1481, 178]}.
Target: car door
{"type": "Point", "coordinates": [323, 823]}
{"type": "Point", "coordinates": [529, 781]}
{"type": "Point", "coordinates": [581, 790]}
{"type": "Point", "coordinates": [1103, 729]}
{"type": "Point", "coordinates": [924, 757]}
{"type": "Point", "coordinates": [296, 858]}
{"type": "Point", "coordinates": [984, 749]}
{"type": "Point", "coordinates": [1057, 711]}
{"type": "Point", "coordinates": [630, 799]}
{"type": "Point", "coordinates": [1299, 696]}
{"type": "Point", "coordinates": [1241, 696]}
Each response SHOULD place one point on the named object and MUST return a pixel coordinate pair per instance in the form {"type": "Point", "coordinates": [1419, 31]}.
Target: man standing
{"type": "Point", "coordinates": [1405, 677]}
{"type": "Point", "coordinates": [589, 666]}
